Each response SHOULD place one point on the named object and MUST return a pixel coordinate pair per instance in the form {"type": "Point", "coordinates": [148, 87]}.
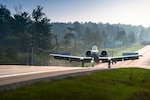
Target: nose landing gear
{"type": "Point", "coordinates": [92, 62]}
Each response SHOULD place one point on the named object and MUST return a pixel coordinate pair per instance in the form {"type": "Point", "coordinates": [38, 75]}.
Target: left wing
{"type": "Point", "coordinates": [119, 58]}
{"type": "Point", "coordinates": [109, 60]}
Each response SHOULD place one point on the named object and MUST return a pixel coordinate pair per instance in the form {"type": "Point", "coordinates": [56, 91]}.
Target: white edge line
{"type": "Point", "coordinates": [29, 73]}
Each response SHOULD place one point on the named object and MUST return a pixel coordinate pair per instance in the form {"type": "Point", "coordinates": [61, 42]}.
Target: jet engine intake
{"type": "Point", "coordinates": [104, 54]}
{"type": "Point", "coordinates": [88, 53]}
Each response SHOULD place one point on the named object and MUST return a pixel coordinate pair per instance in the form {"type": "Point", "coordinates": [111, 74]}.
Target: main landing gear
{"type": "Point", "coordinates": [109, 64]}
{"type": "Point", "coordinates": [82, 63]}
{"type": "Point", "coordinates": [92, 63]}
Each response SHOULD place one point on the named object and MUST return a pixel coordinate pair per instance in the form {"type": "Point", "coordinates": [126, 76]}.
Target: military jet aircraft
{"type": "Point", "coordinates": [94, 56]}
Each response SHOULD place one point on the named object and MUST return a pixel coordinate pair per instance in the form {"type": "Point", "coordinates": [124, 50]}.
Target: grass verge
{"type": "Point", "coordinates": [119, 50]}
{"type": "Point", "coordinates": [116, 84]}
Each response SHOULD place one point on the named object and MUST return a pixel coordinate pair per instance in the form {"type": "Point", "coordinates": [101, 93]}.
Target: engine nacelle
{"type": "Point", "coordinates": [88, 53]}
{"type": "Point", "coordinates": [104, 54]}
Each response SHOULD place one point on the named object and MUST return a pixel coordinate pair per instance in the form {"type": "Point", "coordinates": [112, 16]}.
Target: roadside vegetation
{"type": "Point", "coordinates": [115, 84]}
{"type": "Point", "coordinates": [117, 51]}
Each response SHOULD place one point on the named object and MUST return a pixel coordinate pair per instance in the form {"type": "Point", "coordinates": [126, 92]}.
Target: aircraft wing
{"type": "Point", "coordinates": [121, 58]}
{"type": "Point", "coordinates": [89, 59]}
{"type": "Point", "coordinates": [71, 58]}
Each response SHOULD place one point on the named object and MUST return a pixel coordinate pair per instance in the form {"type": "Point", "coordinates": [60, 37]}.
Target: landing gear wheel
{"type": "Point", "coordinates": [109, 64]}
{"type": "Point", "coordinates": [83, 63]}
{"type": "Point", "coordinates": [92, 62]}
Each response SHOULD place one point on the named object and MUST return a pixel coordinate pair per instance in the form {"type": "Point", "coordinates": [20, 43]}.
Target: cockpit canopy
{"type": "Point", "coordinates": [94, 48]}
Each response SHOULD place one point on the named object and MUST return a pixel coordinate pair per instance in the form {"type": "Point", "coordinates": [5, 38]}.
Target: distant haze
{"type": "Point", "coordinates": [134, 12]}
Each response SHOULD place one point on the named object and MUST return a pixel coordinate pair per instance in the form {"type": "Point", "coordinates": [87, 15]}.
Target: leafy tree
{"type": "Point", "coordinates": [78, 28]}
{"type": "Point", "coordinates": [22, 22]}
{"type": "Point", "coordinates": [41, 29]}
{"type": "Point", "coordinates": [68, 36]}
{"type": "Point", "coordinates": [5, 22]}
{"type": "Point", "coordinates": [11, 54]}
{"type": "Point", "coordinates": [87, 38]}
{"type": "Point", "coordinates": [121, 35]}
{"type": "Point", "coordinates": [132, 37]}
{"type": "Point", "coordinates": [93, 38]}
{"type": "Point", "coordinates": [22, 25]}
{"type": "Point", "coordinates": [37, 14]}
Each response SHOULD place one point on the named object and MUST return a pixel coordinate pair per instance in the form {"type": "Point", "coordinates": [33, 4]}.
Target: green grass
{"type": "Point", "coordinates": [119, 50]}
{"type": "Point", "coordinates": [116, 84]}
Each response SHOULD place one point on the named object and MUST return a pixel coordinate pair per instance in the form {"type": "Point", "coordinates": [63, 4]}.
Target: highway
{"type": "Point", "coordinates": [13, 76]}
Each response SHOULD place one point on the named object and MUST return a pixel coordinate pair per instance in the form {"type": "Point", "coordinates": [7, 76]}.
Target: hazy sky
{"type": "Point", "coordinates": [135, 12]}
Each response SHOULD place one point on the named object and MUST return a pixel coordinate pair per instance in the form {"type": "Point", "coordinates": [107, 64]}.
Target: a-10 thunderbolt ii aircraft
{"type": "Point", "coordinates": [94, 56]}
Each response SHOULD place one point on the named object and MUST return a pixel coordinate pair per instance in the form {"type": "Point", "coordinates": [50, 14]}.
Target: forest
{"type": "Point", "coordinates": [28, 39]}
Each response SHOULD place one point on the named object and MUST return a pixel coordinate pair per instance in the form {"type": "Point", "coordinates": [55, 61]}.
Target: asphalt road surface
{"type": "Point", "coordinates": [11, 76]}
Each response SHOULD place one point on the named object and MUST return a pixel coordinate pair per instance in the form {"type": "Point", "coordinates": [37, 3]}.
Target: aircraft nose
{"type": "Point", "coordinates": [95, 56]}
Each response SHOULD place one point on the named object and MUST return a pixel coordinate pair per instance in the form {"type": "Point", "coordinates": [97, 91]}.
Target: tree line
{"type": "Point", "coordinates": [88, 34]}
{"type": "Point", "coordinates": [22, 31]}
{"type": "Point", "coordinates": [28, 38]}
